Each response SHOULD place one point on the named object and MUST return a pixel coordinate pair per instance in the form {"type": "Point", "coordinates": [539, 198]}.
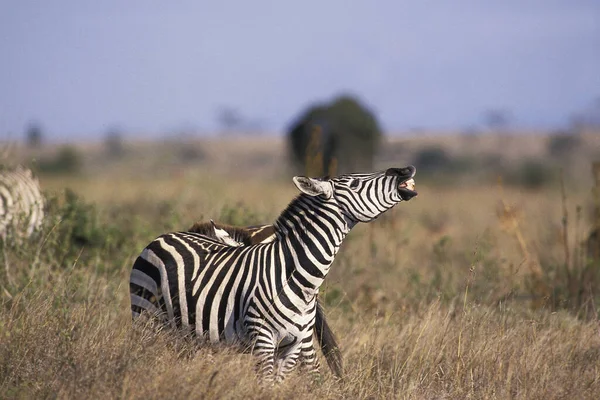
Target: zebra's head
{"type": "Point", "coordinates": [363, 197]}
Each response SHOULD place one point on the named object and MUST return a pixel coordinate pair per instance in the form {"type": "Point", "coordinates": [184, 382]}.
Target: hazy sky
{"type": "Point", "coordinates": [80, 67]}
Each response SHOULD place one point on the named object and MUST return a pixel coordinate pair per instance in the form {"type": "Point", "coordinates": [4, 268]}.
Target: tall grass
{"type": "Point", "coordinates": [461, 293]}
{"type": "Point", "coordinates": [55, 343]}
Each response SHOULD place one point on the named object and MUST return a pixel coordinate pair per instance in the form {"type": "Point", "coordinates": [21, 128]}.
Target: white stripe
{"type": "Point", "coordinates": [141, 302]}
{"type": "Point", "coordinates": [142, 279]}
{"type": "Point", "coordinates": [268, 239]}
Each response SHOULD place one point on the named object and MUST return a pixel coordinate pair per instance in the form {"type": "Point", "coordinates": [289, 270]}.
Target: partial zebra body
{"type": "Point", "coordinates": [237, 236]}
{"type": "Point", "coordinates": [21, 202]}
{"type": "Point", "coordinates": [263, 296]}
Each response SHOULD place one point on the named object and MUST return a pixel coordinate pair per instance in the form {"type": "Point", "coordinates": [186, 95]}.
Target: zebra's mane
{"type": "Point", "coordinates": [206, 228]}
{"type": "Point", "coordinates": [254, 235]}
{"type": "Point", "coordinates": [298, 203]}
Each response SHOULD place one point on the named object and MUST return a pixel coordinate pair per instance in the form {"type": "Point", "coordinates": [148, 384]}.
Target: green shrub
{"type": "Point", "coordinates": [189, 153]}
{"type": "Point", "coordinates": [563, 145]}
{"type": "Point", "coordinates": [432, 159]}
{"type": "Point", "coordinates": [72, 236]}
{"type": "Point", "coordinates": [434, 163]}
{"type": "Point", "coordinates": [533, 174]}
{"type": "Point", "coordinates": [67, 161]}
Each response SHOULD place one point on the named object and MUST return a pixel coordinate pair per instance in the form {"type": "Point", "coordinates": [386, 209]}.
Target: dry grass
{"type": "Point", "coordinates": [54, 346]}
{"type": "Point", "coordinates": [433, 300]}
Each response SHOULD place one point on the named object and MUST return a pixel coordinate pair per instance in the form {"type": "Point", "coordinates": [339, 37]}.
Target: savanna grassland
{"type": "Point", "coordinates": [477, 288]}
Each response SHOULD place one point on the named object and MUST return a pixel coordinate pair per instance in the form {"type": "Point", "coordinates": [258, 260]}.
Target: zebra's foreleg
{"type": "Point", "coordinates": [308, 356]}
{"type": "Point", "coordinates": [286, 362]}
{"type": "Point", "coordinates": [265, 366]}
{"type": "Point", "coordinates": [264, 351]}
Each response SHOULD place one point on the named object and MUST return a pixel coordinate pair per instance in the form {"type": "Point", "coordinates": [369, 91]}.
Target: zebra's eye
{"type": "Point", "coordinates": [354, 184]}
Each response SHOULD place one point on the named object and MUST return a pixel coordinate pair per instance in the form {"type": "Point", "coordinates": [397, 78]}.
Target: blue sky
{"type": "Point", "coordinates": [82, 67]}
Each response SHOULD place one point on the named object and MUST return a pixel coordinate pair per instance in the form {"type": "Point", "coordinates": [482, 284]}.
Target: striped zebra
{"type": "Point", "coordinates": [263, 297]}
{"type": "Point", "coordinates": [251, 235]}
{"type": "Point", "coordinates": [21, 202]}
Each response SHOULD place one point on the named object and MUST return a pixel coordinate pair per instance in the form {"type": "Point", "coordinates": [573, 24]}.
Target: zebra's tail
{"type": "Point", "coordinates": [328, 343]}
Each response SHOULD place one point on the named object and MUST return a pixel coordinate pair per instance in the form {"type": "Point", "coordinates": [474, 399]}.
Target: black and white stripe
{"type": "Point", "coordinates": [251, 235]}
{"type": "Point", "coordinates": [21, 203]}
{"type": "Point", "coordinates": [263, 296]}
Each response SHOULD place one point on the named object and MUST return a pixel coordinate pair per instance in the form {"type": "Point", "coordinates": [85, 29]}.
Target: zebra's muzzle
{"type": "Point", "coordinates": [406, 186]}
{"type": "Point", "coordinates": [407, 189]}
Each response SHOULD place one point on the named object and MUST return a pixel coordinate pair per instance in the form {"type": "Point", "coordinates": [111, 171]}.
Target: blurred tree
{"type": "Point", "coordinates": [586, 118]}
{"type": "Point", "coordinates": [594, 113]}
{"type": "Point", "coordinates": [67, 161]}
{"type": "Point", "coordinates": [343, 134]}
{"type": "Point", "coordinates": [229, 119]}
{"type": "Point", "coordinates": [33, 135]}
{"type": "Point", "coordinates": [497, 119]}
{"type": "Point", "coordinates": [432, 159]}
{"type": "Point", "coordinates": [576, 123]}
{"type": "Point", "coordinates": [563, 145]}
{"type": "Point", "coordinates": [114, 143]}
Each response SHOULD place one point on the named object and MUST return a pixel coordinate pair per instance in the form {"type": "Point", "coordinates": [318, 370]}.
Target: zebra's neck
{"type": "Point", "coordinates": [310, 232]}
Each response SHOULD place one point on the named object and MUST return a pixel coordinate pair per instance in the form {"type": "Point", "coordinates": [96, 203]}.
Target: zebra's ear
{"type": "Point", "coordinates": [313, 187]}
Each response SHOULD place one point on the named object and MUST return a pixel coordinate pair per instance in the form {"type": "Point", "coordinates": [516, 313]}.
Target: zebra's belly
{"type": "Point", "coordinates": [218, 326]}
{"type": "Point", "coordinates": [219, 292]}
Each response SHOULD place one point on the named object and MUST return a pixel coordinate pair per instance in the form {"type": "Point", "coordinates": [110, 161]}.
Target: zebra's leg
{"type": "Point", "coordinates": [264, 351]}
{"type": "Point", "coordinates": [286, 362]}
{"type": "Point", "coordinates": [308, 356]}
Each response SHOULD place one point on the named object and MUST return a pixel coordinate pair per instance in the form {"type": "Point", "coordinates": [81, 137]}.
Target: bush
{"type": "Point", "coordinates": [72, 235]}
{"type": "Point", "coordinates": [67, 161]}
{"type": "Point", "coordinates": [432, 159]}
{"type": "Point", "coordinates": [533, 174]}
{"type": "Point", "coordinates": [343, 134]}
{"type": "Point", "coordinates": [563, 145]}
{"type": "Point", "coordinates": [434, 163]}
{"type": "Point", "coordinates": [188, 153]}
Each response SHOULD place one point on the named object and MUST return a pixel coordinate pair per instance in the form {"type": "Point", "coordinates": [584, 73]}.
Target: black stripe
{"type": "Point", "coordinates": [171, 268]}
{"type": "Point", "coordinates": [149, 269]}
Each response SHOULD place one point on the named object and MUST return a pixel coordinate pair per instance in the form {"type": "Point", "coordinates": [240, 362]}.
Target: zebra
{"type": "Point", "coordinates": [237, 236]}
{"type": "Point", "coordinates": [263, 297]}
{"type": "Point", "coordinates": [21, 202]}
